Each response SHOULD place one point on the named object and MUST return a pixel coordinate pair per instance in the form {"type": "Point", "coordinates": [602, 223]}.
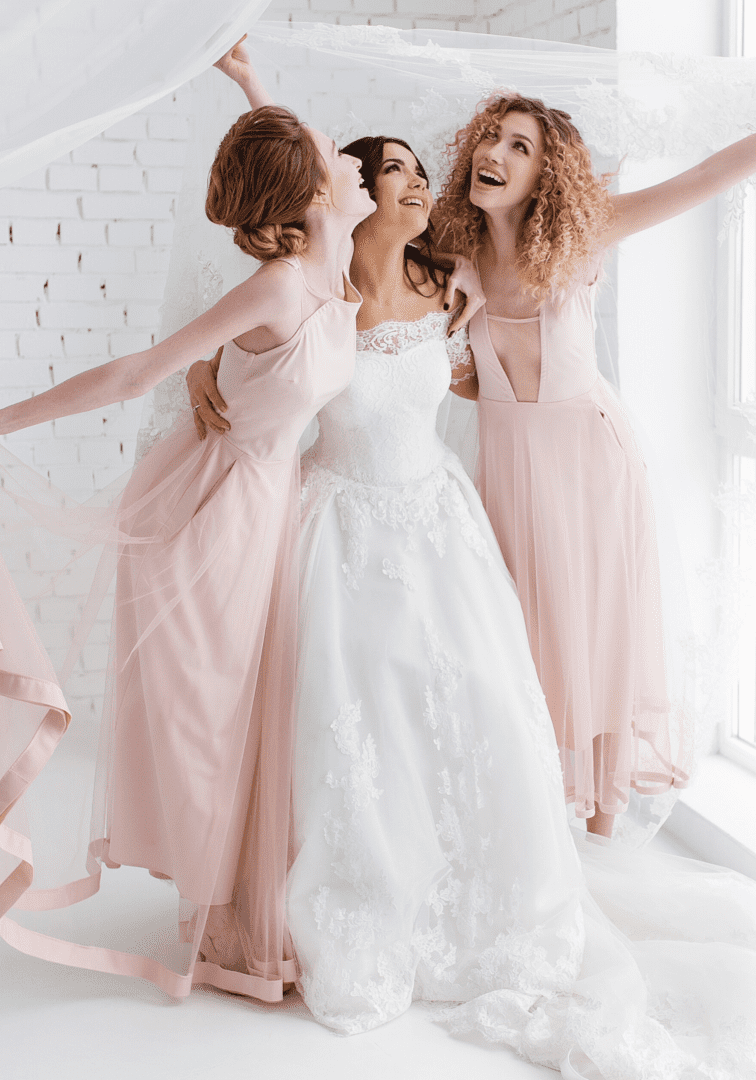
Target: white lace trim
{"type": "Point", "coordinates": [393, 336]}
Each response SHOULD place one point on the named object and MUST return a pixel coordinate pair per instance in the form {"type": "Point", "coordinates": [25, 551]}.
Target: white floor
{"type": "Point", "coordinates": [60, 1023]}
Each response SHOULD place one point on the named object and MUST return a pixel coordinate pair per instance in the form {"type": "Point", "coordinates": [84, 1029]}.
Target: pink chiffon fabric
{"type": "Point", "coordinates": [34, 717]}
{"type": "Point", "coordinates": [565, 487]}
{"type": "Point", "coordinates": [194, 774]}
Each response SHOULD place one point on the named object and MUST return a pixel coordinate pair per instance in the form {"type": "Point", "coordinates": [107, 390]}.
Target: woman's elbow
{"type": "Point", "coordinates": [133, 377]}
{"type": "Point", "coordinates": [466, 388]}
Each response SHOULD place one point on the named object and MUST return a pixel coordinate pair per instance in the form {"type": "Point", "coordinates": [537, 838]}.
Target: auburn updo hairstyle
{"type": "Point", "coordinates": [266, 173]}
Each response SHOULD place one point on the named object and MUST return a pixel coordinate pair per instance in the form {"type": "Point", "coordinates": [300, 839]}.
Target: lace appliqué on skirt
{"type": "Point", "coordinates": [428, 505]}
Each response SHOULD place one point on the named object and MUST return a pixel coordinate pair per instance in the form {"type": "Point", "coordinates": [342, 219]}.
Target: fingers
{"type": "Point", "coordinates": [472, 304]}
{"type": "Point", "coordinates": [235, 54]}
{"type": "Point", "coordinates": [215, 398]}
{"type": "Point", "coordinates": [444, 259]}
{"type": "Point", "coordinates": [199, 425]}
{"type": "Point", "coordinates": [206, 411]}
{"type": "Point", "coordinates": [451, 288]}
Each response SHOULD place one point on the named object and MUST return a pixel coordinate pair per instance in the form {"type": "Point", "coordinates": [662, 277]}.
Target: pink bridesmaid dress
{"type": "Point", "coordinates": [195, 759]}
{"type": "Point", "coordinates": [565, 487]}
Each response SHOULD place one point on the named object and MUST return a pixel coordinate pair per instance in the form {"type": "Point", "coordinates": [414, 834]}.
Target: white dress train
{"type": "Point", "coordinates": [433, 856]}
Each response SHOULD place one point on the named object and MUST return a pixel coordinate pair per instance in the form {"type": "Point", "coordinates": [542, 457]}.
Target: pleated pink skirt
{"type": "Point", "coordinates": [565, 488]}
{"type": "Point", "coordinates": [193, 778]}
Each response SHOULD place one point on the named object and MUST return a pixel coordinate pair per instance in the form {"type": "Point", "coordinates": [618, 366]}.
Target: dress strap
{"type": "Point", "coordinates": [292, 260]}
{"type": "Point", "coordinates": [501, 318]}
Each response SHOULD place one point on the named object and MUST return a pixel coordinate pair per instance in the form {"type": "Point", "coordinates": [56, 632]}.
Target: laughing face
{"type": "Point", "coordinates": [506, 164]}
{"type": "Point", "coordinates": [401, 192]}
{"type": "Point", "coordinates": [347, 192]}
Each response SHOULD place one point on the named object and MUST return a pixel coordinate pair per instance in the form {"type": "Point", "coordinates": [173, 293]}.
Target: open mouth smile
{"type": "Point", "coordinates": [412, 201]}
{"type": "Point", "coordinates": [490, 178]}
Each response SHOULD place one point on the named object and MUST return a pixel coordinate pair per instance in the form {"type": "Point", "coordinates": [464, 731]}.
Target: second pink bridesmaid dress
{"type": "Point", "coordinates": [565, 487]}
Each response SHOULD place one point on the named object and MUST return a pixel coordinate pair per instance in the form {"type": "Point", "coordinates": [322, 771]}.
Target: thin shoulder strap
{"type": "Point", "coordinates": [292, 260]}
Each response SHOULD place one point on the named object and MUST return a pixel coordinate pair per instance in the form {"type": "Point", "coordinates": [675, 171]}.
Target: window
{"type": "Point", "coordinates": [736, 405]}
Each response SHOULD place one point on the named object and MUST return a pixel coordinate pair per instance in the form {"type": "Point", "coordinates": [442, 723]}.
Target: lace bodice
{"type": "Point", "coordinates": [382, 428]}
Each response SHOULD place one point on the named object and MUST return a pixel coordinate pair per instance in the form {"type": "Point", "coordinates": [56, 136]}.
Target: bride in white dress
{"type": "Point", "coordinates": [433, 859]}
{"type": "Point", "coordinates": [422, 733]}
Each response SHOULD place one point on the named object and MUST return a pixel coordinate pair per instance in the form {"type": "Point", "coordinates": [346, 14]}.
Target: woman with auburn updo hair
{"type": "Point", "coordinates": [268, 220]}
{"type": "Point", "coordinates": [559, 470]}
{"type": "Point", "coordinates": [196, 758]}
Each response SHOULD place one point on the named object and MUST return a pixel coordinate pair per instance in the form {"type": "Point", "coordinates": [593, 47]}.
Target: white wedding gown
{"type": "Point", "coordinates": [434, 860]}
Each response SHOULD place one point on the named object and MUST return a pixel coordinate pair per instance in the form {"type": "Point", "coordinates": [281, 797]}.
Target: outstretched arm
{"type": "Point", "coordinates": [640, 210]}
{"type": "Point", "coordinates": [236, 64]}
{"type": "Point", "coordinates": [267, 299]}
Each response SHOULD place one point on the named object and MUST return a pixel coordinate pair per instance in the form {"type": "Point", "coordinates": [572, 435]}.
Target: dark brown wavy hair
{"type": "Point", "coordinates": [266, 173]}
{"type": "Point", "coordinates": [570, 207]}
{"type": "Point", "coordinates": [369, 149]}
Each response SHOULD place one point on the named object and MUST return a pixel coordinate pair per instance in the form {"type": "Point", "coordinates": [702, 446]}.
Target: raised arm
{"type": "Point", "coordinates": [267, 299]}
{"type": "Point", "coordinates": [236, 64]}
{"type": "Point", "coordinates": [640, 210]}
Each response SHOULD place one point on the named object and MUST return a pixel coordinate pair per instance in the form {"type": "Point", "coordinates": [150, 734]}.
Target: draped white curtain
{"type": "Point", "coordinates": [71, 68]}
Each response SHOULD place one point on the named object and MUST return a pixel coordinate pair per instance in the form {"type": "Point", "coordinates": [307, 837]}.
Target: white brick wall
{"type": "Point", "coordinates": [584, 22]}
{"type": "Point", "coordinates": [84, 250]}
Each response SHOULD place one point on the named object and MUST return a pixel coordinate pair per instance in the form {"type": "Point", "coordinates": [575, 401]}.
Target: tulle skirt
{"type": "Point", "coordinates": [433, 856]}
{"type": "Point", "coordinates": [428, 807]}
{"type": "Point", "coordinates": [565, 488]}
{"type": "Point", "coordinates": [194, 762]}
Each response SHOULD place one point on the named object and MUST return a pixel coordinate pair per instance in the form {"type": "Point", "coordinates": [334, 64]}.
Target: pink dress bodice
{"type": "Point", "coordinates": [568, 351]}
{"type": "Point", "coordinates": [273, 395]}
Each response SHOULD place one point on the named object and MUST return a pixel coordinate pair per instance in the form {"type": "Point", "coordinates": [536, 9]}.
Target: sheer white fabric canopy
{"type": "Point", "coordinates": [71, 68]}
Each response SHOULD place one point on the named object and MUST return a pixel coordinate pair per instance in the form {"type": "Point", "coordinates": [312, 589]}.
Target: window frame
{"type": "Point", "coordinates": [732, 427]}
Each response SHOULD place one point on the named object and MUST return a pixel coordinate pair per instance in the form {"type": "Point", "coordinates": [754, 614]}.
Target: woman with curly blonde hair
{"type": "Point", "coordinates": [559, 469]}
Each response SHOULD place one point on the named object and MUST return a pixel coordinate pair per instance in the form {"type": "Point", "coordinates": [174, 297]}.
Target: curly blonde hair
{"type": "Point", "coordinates": [570, 207]}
